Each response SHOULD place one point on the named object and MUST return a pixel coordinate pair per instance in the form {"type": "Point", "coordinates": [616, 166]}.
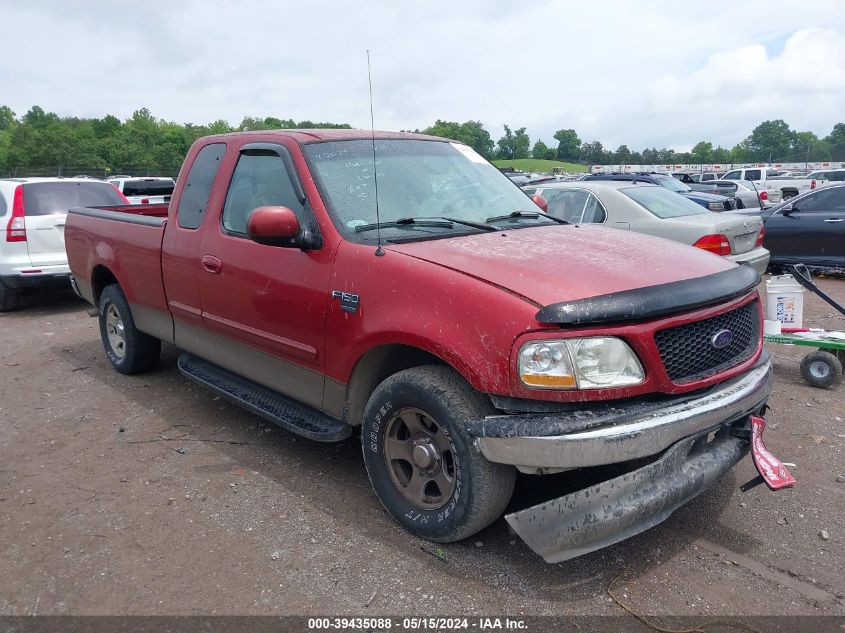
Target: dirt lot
{"type": "Point", "coordinates": [148, 494]}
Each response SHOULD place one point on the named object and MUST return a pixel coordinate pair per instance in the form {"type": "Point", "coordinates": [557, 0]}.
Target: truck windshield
{"type": "Point", "coordinates": [416, 179]}
{"type": "Point", "coordinates": [662, 203]}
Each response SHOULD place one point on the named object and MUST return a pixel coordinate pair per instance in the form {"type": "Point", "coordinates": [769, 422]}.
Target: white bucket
{"type": "Point", "coordinates": [785, 301]}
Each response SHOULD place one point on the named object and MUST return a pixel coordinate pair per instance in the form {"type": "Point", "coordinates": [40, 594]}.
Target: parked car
{"type": "Point", "coordinates": [711, 201]}
{"type": "Point", "coordinates": [689, 179]}
{"type": "Point", "coordinates": [654, 210]}
{"type": "Point", "coordinates": [751, 196]}
{"type": "Point", "coordinates": [468, 334]}
{"type": "Point", "coordinates": [33, 212]}
{"type": "Point", "coordinates": [770, 180]}
{"type": "Point", "coordinates": [831, 175]}
{"type": "Point", "coordinates": [154, 190]}
{"type": "Point", "coordinates": [808, 229]}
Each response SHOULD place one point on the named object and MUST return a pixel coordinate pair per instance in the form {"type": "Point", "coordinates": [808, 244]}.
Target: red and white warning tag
{"type": "Point", "coordinates": [770, 467]}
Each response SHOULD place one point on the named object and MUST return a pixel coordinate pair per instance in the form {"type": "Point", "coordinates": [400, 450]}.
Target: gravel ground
{"type": "Point", "coordinates": [150, 495]}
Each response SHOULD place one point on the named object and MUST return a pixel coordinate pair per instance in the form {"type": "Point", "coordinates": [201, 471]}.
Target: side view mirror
{"type": "Point", "coordinates": [540, 201]}
{"type": "Point", "coordinates": [788, 209]}
{"type": "Point", "coordinates": [273, 226]}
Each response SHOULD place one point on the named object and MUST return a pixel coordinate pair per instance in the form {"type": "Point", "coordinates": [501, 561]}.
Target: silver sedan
{"type": "Point", "coordinates": [657, 211]}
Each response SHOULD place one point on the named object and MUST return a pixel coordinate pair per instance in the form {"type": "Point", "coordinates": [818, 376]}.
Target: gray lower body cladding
{"type": "Point", "coordinates": [621, 507]}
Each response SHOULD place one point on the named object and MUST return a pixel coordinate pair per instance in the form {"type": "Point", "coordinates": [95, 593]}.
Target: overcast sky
{"type": "Point", "coordinates": [640, 73]}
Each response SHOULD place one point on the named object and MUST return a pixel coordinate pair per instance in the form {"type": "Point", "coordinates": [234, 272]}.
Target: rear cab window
{"type": "Point", "coordinates": [198, 184]}
{"type": "Point", "coordinates": [44, 198]}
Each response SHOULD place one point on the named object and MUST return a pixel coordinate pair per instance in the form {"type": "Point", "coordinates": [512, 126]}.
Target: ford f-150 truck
{"type": "Point", "coordinates": [331, 280]}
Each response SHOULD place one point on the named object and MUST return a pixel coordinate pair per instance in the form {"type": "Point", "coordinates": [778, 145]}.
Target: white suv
{"type": "Point", "coordinates": [32, 218]}
{"type": "Point", "coordinates": [154, 190]}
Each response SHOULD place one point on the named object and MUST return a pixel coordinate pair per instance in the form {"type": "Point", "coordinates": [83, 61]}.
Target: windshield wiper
{"type": "Point", "coordinates": [476, 225]}
{"type": "Point", "coordinates": [526, 214]}
{"type": "Point", "coordinates": [404, 222]}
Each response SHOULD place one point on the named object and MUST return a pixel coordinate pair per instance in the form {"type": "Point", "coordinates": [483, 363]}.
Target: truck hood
{"type": "Point", "coordinates": [550, 264]}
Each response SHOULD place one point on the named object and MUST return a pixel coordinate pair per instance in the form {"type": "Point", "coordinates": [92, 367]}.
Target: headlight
{"type": "Point", "coordinates": [582, 363]}
{"type": "Point", "coordinates": [716, 206]}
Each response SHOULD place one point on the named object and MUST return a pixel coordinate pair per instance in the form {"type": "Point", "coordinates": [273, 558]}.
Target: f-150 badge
{"type": "Point", "coordinates": [348, 301]}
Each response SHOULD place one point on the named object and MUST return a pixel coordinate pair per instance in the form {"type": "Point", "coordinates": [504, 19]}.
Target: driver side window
{"type": "Point", "coordinates": [260, 179]}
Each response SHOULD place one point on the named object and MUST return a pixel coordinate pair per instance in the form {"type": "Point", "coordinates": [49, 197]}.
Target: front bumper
{"type": "Point", "coordinates": [619, 508]}
{"type": "Point", "coordinates": [758, 259]}
{"type": "Point", "coordinates": [621, 436]}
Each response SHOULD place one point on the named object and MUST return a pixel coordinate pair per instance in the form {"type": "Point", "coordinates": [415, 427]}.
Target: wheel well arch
{"type": "Point", "coordinates": [374, 367]}
{"type": "Point", "coordinates": [100, 278]}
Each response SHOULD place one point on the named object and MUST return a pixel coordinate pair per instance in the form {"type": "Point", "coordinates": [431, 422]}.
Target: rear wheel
{"type": "Point", "coordinates": [821, 369]}
{"type": "Point", "coordinates": [10, 298]}
{"type": "Point", "coordinates": [421, 462]}
{"type": "Point", "coordinates": [129, 350]}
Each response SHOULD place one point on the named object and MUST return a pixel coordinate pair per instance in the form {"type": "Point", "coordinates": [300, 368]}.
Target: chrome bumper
{"type": "Point", "coordinates": [630, 438]}
{"type": "Point", "coordinates": [621, 507]}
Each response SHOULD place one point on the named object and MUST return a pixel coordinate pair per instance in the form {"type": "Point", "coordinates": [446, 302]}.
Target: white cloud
{"type": "Point", "coordinates": [645, 73]}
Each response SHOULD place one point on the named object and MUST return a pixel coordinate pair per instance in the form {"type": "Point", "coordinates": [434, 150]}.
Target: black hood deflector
{"type": "Point", "coordinates": [653, 301]}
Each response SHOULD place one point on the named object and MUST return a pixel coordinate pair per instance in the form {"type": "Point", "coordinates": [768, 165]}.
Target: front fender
{"type": "Point", "coordinates": [468, 323]}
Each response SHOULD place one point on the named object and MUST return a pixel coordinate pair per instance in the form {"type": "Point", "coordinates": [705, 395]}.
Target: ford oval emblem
{"type": "Point", "coordinates": [721, 339]}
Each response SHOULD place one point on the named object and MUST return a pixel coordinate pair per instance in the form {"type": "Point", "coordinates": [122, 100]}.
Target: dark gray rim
{"type": "Point", "coordinates": [420, 459]}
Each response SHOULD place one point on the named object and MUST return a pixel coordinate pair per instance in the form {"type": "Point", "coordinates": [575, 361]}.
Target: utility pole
{"type": "Point", "coordinates": [807, 164]}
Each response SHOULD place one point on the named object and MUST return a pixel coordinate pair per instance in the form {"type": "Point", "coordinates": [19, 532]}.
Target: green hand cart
{"type": "Point", "coordinates": [822, 368]}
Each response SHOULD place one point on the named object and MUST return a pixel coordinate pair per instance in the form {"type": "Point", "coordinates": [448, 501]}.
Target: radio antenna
{"type": "Point", "coordinates": [379, 249]}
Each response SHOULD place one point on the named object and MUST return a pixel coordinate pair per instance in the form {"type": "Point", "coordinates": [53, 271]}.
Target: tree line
{"type": "Point", "coordinates": [771, 141]}
{"type": "Point", "coordinates": [43, 143]}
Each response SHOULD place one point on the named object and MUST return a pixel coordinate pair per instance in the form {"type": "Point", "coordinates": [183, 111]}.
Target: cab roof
{"type": "Point", "coordinates": [305, 136]}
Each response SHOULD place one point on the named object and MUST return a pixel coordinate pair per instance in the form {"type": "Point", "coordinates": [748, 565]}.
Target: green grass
{"type": "Point", "coordinates": [539, 165]}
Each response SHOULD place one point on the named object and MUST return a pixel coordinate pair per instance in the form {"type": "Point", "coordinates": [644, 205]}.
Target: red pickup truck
{"type": "Point", "coordinates": [334, 279]}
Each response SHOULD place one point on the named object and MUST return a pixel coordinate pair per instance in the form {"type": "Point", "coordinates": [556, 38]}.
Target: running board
{"type": "Point", "coordinates": [270, 405]}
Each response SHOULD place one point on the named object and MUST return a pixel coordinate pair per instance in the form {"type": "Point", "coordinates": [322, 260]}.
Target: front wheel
{"type": "Point", "coordinates": [420, 460]}
{"type": "Point", "coordinates": [129, 350]}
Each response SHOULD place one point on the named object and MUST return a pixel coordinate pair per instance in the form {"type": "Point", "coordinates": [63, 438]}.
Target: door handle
{"type": "Point", "coordinates": [211, 264]}
{"type": "Point", "coordinates": [834, 220]}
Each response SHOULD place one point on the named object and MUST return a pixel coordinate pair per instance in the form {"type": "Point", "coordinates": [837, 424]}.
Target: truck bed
{"type": "Point", "coordinates": [125, 239]}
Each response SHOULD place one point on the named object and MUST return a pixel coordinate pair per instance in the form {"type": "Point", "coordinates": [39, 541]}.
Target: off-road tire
{"type": "Point", "coordinates": [140, 352]}
{"type": "Point", "coordinates": [482, 489]}
{"type": "Point", "coordinates": [821, 369]}
{"type": "Point", "coordinates": [10, 298]}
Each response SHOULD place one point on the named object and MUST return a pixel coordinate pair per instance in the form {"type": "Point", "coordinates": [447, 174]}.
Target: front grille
{"type": "Point", "coordinates": [688, 353]}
